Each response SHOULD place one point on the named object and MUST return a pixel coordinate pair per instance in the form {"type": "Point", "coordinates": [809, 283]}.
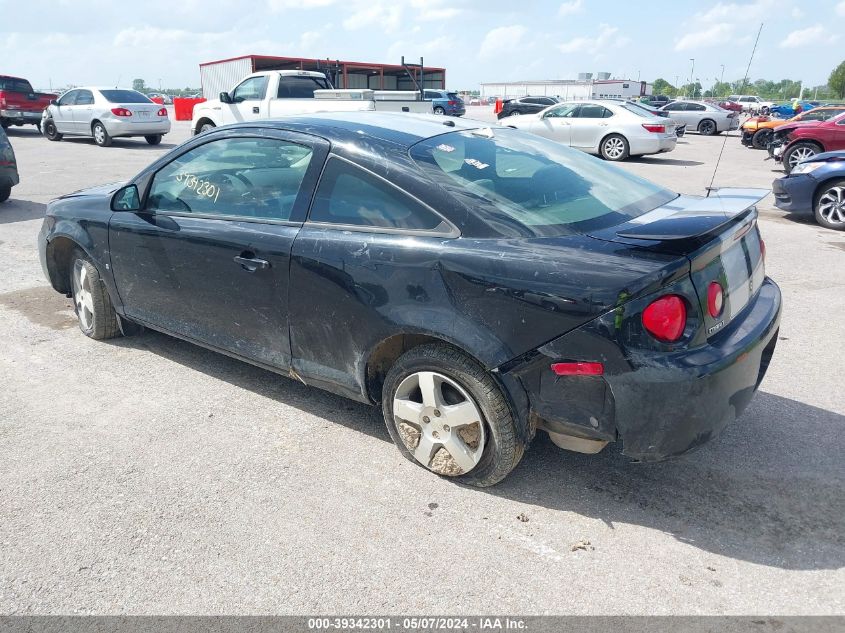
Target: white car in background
{"type": "Point", "coordinates": [105, 113]}
{"type": "Point", "coordinates": [614, 130]}
{"type": "Point", "coordinates": [705, 118]}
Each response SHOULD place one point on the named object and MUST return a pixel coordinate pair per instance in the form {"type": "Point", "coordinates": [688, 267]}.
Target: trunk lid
{"type": "Point", "coordinates": [719, 237]}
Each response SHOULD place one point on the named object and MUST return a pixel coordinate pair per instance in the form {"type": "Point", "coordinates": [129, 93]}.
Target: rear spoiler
{"type": "Point", "coordinates": [686, 218]}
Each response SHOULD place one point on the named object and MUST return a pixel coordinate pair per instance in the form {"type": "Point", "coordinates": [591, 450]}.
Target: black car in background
{"type": "Point", "coordinates": [8, 167]}
{"type": "Point", "coordinates": [525, 105]}
{"type": "Point", "coordinates": [478, 284]}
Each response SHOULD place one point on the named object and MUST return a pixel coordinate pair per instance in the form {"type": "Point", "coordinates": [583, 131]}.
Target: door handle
{"type": "Point", "coordinates": [255, 109]}
{"type": "Point", "coordinates": [250, 263]}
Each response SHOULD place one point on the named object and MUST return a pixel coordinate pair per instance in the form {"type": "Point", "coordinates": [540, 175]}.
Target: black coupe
{"type": "Point", "coordinates": [479, 283]}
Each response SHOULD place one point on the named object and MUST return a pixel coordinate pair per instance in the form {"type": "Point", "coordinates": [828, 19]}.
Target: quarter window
{"type": "Point", "coordinates": [243, 177]}
{"type": "Point", "coordinates": [251, 89]}
{"type": "Point", "coordinates": [349, 195]}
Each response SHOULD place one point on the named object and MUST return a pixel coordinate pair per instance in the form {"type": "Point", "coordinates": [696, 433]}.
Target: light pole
{"type": "Point", "coordinates": [722, 78]}
{"type": "Point", "coordinates": [692, 70]}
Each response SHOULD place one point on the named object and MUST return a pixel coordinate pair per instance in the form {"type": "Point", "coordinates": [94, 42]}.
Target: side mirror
{"type": "Point", "coordinates": [225, 97]}
{"type": "Point", "coordinates": [54, 102]}
{"type": "Point", "coordinates": [126, 199]}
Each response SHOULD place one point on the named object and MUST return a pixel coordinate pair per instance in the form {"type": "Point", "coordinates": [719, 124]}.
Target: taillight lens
{"type": "Point", "coordinates": [715, 298]}
{"type": "Point", "coordinates": [657, 129]}
{"type": "Point", "coordinates": [578, 369]}
{"type": "Point", "coordinates": [665, 318]}
{"type": "Point", "coordinates": [121, 112]}
{"type": "Point", "coordinates": [453, 103]}
{"type": "Point", "coordinates": [162, 112]}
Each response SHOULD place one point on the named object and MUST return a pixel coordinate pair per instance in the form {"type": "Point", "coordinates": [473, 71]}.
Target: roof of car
{"type": "Point", "coordinates": [401, 128]}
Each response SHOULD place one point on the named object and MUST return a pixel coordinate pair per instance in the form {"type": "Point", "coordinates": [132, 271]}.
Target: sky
{"type": "Point", "coordinates": [104, 42]}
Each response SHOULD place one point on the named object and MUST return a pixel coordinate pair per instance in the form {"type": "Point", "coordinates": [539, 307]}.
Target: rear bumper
{"type": "Point", "coordinates": [658, 404]}
{"type": "Point", "coordinates": [21, 117]}
{"type": "Point", "coordinates": [652, 145]}
{"type": "Point", "coordinates": [9, 176]}
{"type": "Point", "coordinates": [127, 128]}
{"type": "Point", "coordinates": [795, 193]}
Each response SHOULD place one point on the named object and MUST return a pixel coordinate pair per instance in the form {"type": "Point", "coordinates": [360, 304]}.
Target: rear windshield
{"type": "Point", "coordinates": [633, 107]}
{"type": "Point", "coordinates": [540, 186]}
{"type": "Point", "coordinates": [15, 85]}
{"type": "Point", "coordinates": [124, 96]}
{"type": "Point", "coordinates": [452, 95]}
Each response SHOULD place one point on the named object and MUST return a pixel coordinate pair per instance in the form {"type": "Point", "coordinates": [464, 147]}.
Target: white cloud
{"type": "Point", "coordinates": [606, 38]}
{"type": "Point", "coordinates": [797, 13]}
{"type": "Point", "coordinates": [374, 14]}
{"type": "Point", "coordinates": [568, 8]}
{"type": "Point", "coordinates": [811, 36]}
{"type": "Point", "coordinates": [501, 40]}
{"type": "Point", "coordinates": [434, 10]}
{"type": "Point", "coordinates": [735, 12]}
{"type": "Point", "coordinates": [840, 9]}
{"type": "Point", "coordinates": [277, 6]}
{"type": "Point", "coordinates": [714, 35]}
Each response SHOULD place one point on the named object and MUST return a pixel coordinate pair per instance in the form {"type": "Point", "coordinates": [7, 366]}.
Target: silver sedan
{"type": "Point", "coordinates": [612, 129]}
{"type": "Point", "coordinates": [705, 118]}
{"type": "Point", "coordinates": [105, 113]}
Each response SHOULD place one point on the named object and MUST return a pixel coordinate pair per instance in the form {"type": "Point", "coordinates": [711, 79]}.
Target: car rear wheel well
{"type": "Point", "coordinates": [59, 261]}
{"type": "Point", "coordinates": [387, 352]}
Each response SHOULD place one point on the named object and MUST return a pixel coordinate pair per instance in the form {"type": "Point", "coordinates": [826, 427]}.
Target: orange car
{"type": "Point", "coordinates": [757, 130]}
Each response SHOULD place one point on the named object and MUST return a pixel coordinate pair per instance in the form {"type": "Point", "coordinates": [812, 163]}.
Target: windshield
{"type": "Point", "coordinates": [515, 178]}
{"type": "Point", "coordinates": [124, 96]}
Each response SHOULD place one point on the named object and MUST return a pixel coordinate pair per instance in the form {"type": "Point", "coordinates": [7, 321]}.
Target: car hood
{"type": "Point", "coordinates": [826, 157]}
{"type": "Point", "coordinates": [798, 124]}
{"type": "Point", "coordinates": [684, 220]}
{"type": "Point", "coordinates": [94, 192]}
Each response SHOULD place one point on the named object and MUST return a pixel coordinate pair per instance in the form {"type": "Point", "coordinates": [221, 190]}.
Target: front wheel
{"type": "Point", "coordinates": [446, 413]}
{"type": "Point", "coordinates": [762, 138]}
{"type": "Point", "coordinates": [91, 301]}
{"type": "Point", "coordinates": [797, 153]}
{"type": "Point", "coordinates": [153, 139]}
{"type": "Point", "coordinates": [101, 134]}
{"type": "Point", "coordinates": [707, 127]}
{"type": "Point", "coordinates": [615, 148]}
{"type": "Point", "coordinates": [50, 131]}
{"type": "Point", "coordinates": [830, 206]}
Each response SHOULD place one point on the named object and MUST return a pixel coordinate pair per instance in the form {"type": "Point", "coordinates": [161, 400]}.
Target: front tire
{"type": "Point", "coordinates": [153, 139]}
{"type": "Point", "coordinates": [101, 134]}
{"type": "Point", "coordinates": [762, 138]}
{"type": "Point", "coordinates": [707, 127]}
{"type": "Point", "coordinates": [829, 208]}
{"type": "Point", "coordinates": [614, 148]}
{"type": "Point", "coordinates": [51, 132]}
{"type": "Point", "coordinates": [91, 301]}
{"type": "Point", "coordinates": [446, 413]}
{"type": "Point", "coordinates": [797, 153]}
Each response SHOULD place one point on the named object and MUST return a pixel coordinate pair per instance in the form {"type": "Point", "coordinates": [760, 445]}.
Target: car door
{"type": "Point", "coordinates": [82, 112]}
{"type": "Point", "coordinates": [556, 123]}
{"type": "Point", "coordinates": [589, 125]}
{"type": "Point", "coordinates": [207, 256]}
{"type": "Point", "coordinates": [367, 253]}
{"type": "Point", "coordinates": [247, 100]}
{"type": "Point", "coordinates": [62, 112]}
{"type": "Point", "coordinates": [680, 114]}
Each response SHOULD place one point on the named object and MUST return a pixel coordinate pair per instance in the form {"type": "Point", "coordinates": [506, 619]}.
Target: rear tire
{"type": "Point", "coordinates": [91, 301]}
{"type": "Point", "coordinates": [614, 148]}
{"type": "Point", "coordinates": [439, 111]}
{"type": "Point", "coordinates": [434, 386]}
{"type": "Point", "coordinates": [51, 132]}
{"type": "Point", "coordinates": [707, 127]}
{"type": "Point", "coordinates": [153, 139]}
{"type": "Point", "coordinates": [762, 138]}
{"type": "Point", "coordinates": [5, 192]}
{"type": "Point", "coordinates": [829, 206]}
{"type": "Point", "coordinates": [101, 135]}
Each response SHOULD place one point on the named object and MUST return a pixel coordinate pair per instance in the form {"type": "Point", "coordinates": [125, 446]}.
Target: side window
{"type": "Point", "coordinates": [547, 101]}
{"type": "Point", "coordinates": [251, 89]}
{"type": "Point", "coordinates": [562, 112]}
{"type": "Point", "coordinates": [245, 177]}
{"type": "Point", "coordinates": [349, 195]}
{"type": "Point", "coordinates": [531, 100]}
{"type": "Point", "coordinates": [676, 107]}
{"type": "Point", "coordinates": [299, 87]}
{"type": "Point", "coordinates": [68, 98]}
{"type": "Point", "coordinates": [696, 107]}
{"type": "Point", "coordinates": [592, 111]}
{"type": "Point", "coordinates": [85, 97]}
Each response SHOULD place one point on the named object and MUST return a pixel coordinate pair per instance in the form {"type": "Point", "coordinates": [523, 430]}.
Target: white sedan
{"type": "Point", "coordinates": [104, 113]}
{"type": "Point", "coordinates": [612, 129]}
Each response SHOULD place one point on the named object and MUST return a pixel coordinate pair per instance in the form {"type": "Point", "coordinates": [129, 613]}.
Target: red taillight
{"type": "Point", "coordinates": [453, 103]}
{"type": "Point", "coordinates": [162, 112]}
{"type": "Point", "coordinates": [121, 112]}
{"type": "Point", "coordinates": [578, 369]}
{"type": "Point", "coordinates": [715, 298]}
{"type": "Point", "coordinates": [2, 101]}
{"type": "Point", "coordinates": [665, 318]}
{"type": "Point", "coordinates": [657, 129]}
{"type": "Point", "coordinates": [763, 250]}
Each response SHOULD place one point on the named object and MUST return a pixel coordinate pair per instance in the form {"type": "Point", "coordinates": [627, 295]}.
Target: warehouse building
{"type": "Point", "coordinates": [585, 87]}
{"type": "Point", "coordinates": [224, 74]}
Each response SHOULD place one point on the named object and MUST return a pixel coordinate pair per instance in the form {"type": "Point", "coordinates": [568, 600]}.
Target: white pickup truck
{"type": "Point", "coordinates": [274, 93]}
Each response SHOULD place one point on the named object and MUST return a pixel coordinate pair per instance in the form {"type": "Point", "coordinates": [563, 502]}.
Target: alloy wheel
{"type": "Point", "coordinates": [99, 134]}
{"type": "Point", "coordinates": [799, 154]}
{"type": "Point", "coordinates": [82, 296]}
{"type": "Point", "coordinates": [614, 148]}
{"type": "Point", "coordinates": [439, 423]}
{"type": "Point", "coordinates": [832, 205]}
{"type": "Point", "coordinates": [707, 128]}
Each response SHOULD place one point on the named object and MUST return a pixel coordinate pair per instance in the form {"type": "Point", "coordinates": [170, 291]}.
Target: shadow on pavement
{"type": "Point", "coordinates": [14, 210]}
{"type": "Point", "coordinates": [655, 160]}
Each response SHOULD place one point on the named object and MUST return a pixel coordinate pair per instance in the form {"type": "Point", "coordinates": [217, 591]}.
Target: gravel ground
{"type": "Point", "coordinates": [145, 475]}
